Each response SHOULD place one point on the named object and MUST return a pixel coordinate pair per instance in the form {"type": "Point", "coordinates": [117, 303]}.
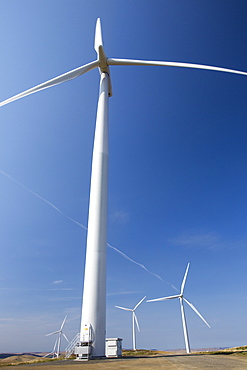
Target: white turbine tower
{"type": "Point", "coordinates": [56, 352]}
{"type": "Point", "coordinates": [181, 299]}
{"type": "Point", "coordinates": [134, 320]}
{"type": "Point", "coordinates": [94, 295]}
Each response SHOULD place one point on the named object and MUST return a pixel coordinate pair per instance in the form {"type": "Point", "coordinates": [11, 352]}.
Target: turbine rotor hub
{"type": "Point", "coordinates": [104, 68]}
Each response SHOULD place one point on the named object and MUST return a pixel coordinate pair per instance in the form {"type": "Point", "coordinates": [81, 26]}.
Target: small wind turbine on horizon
{"type": "Point", "coordinates": [53, 352]}
{"type": "Point", "coordinates": [181, 299]}
{"type": "Point", "coordinates": [94, 292]}
{"type": "Point", "coordinates": [134, 320]}
{"type": "Point", "coordinates": [56, 352]}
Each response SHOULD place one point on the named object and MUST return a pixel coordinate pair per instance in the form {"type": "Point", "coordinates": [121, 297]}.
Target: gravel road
{"type": "Point", "coordinates": [168, 362]}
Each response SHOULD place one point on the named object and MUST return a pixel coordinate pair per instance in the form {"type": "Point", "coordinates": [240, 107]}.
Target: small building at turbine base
{"type": "Point", "coordinates": [113, 347]}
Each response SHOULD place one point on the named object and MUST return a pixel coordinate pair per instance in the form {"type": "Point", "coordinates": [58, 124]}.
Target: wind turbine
{"type": "Point", "coordinates": [134, 320]}
{"type": "Point", "coordinates": [94, 293]}
{"type": "Point", "coordinates": [58, 340]}
{"type": "Point", "coordinates": [53, 353]}
{"type": "Point", "coordinates": [181, 299]}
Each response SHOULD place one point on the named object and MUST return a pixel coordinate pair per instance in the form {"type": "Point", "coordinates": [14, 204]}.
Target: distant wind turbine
{"type": "Point", "coordinates": [56, 352]}
{"type": "Point", "coordinates": [134, 320]}
{"type": "Point", "coordinates": [181, 299]}
{"type": "Point", "coordinates": [94, 293]}
{"type": "Point", "coordinates": [53, 353]}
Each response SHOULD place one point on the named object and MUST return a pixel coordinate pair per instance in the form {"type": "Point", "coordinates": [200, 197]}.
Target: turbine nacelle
{"type": "Point", "coordinates": [98, 46]}
{"type": "Point", "coordinates": [104, 68]}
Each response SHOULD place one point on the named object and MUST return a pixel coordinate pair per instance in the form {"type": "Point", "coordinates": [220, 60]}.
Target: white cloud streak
{"type": "Point", "coordinates": [140, 265]}
{"type": "Point", "coordinates": [82, 226]}
{"type": "Point", "coordinates": [199, 240]}
{"type": "Point", "coordinates": [43, 199]}
{"type": "Point", "coordinates": [123, 293]}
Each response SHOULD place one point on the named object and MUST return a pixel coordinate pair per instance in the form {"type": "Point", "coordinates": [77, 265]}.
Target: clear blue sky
{"type": "Point", "coordinates": [178, 169]}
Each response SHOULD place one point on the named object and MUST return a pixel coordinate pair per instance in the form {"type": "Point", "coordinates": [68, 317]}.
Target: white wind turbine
{"type": "Point", "coordinates": [134, 320]}
{"type": "Point", "coordinates": [94, 293]}
{"type": "Point", "coordinates": [181, 299]}
{"type": "Point", "coordinates": [53, 353]}
{"type": "Point", "coordinates": [56, 348]}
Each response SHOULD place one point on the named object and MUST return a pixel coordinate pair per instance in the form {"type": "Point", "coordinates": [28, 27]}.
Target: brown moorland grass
{"type": "Point", "coordinates": [228, 351]}
{"type": "Point", "coordinates": [142, 352]}
{"type": "Point", "coordinates": [23, 359]}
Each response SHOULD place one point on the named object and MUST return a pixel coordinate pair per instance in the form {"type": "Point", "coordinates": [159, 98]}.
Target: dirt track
{"type": "Point", "coordinates": [171, 362]}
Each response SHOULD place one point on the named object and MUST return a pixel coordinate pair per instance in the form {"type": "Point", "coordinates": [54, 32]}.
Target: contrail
{"type": "Point", "coordinates": [82, 226]}
{"type": "Point", "coordinates": [137, 263]}
{"type": "Point", "coordinates": [44, 200]}
{"type": "Point", "coordinates": [141, 265]}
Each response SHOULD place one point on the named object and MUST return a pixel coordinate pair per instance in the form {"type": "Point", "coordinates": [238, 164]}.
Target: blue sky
{"type": "Point", "coordinates": [177, 181]}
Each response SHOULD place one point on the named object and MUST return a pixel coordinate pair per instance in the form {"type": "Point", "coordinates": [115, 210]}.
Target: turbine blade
{"type": "Point", "coordinates": [185, 330]}
{"type": "Point", "coordinates": [197, 312]}
{"type": "Point", "coordinates": [98, 40]}
{"type": "Point", "coordinates": [53, 351]}
{"type": "Point", "coordinates": [137, 324]}
{"type": "Point", "coordinates": [55, 81]}
{"type": "Point", "coordinates": [48, 354]}
{"type": "Point", "coordinates": [163, 298]}
{"type": "Point", "coordinates": [65, 337]}
{"type": "Point", "coordinates": [184, 279]}
{"type": "Point", "coordinates": [123, 308]}
{"type": "Point", "coordinates": [138, 304]}
{"type": "Point", "coordinates": [130, 62]}
{"type": "Point", "coordinates": [54, 346]}
{"type": "Point", "coordinates": [54, 332]}
{"type": "Point", "coordinates": [63, 323]}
